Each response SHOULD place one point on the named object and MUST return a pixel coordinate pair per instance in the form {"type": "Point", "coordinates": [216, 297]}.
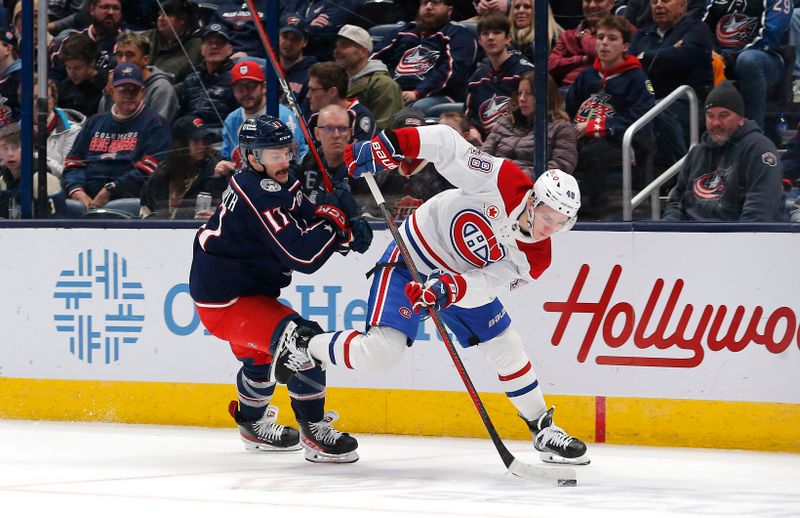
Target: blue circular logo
{"type": "Point", "coordinates": [103, 307]}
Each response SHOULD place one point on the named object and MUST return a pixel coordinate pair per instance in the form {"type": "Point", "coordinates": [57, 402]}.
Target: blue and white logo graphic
{"type": "Point", "coordinates": [103, 307]}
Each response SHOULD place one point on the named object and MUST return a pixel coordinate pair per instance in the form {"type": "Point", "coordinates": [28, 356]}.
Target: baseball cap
{"type": "Point", "coordinates": [7, 36]}
{"type": "Point", "coordinates": [190, 127]}
{"type": "Point", "coordinates": [293, 23]}
{"type": "Point", "coordinates": [215, 28]}
{"type": "Point", "coordinates": [247, 70]}
{"type": "Point", "coordinates": [357, 35]}
{"type": "Point", "coordinates": [127, 74]}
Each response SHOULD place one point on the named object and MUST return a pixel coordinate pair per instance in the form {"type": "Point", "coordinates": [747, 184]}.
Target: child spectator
{"type": "Point", "coordinates": [85, 83]}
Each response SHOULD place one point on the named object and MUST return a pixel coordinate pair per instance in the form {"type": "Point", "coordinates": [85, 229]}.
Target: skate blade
{"type": "Point", "coordinates": [327, 458]}
{"type": "Point", "coordinates": [257, 446]}
{"type": "Point", "coordinates": [554, 458]}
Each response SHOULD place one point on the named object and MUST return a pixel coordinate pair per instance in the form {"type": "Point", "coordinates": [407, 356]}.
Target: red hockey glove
{"type": "Point", "coordinates": [372, 156]}
{"type": "Point", "coordinates": [336, 216]}
{"type": "Point", "coordinates": [438, 293]}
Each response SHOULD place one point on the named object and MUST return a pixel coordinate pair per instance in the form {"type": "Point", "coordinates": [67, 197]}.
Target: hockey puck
{"type": "Point", "coordinates": [569, 482]}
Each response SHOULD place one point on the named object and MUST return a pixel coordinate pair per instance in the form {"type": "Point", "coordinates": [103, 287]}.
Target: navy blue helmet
{"type": "Point", "coordinates": [264, 132]}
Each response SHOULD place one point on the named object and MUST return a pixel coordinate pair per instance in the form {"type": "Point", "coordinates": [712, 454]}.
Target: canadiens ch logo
{"type": "Point", "coordinates": [474, 240]}
{"type": "Point", "coordinates": [405, 312]}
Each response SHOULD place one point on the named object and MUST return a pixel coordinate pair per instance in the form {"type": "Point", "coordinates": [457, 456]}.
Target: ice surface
{"type": "Point", "coordinates": [110, 470]}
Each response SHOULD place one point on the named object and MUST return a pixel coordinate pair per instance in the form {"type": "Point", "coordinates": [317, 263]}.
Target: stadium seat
{"type": "Point", "coordinates": [376, 12]}
{"type": "Point", "coordinates": [128, 205]}
{"type": "Point", "coordinates": [434, 111]}
{"type": "Point", "coordinates": [75, 209]}
{"type": "Point", "coordinates": [382, 35]}
{"type": "Point", "coordinates": [472, 26]}
{"type": "Point", "coordinates": [103, 213]}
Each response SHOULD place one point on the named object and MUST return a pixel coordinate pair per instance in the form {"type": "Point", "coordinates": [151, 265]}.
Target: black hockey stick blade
{"type": "Point", "coordinates": [562, 475]}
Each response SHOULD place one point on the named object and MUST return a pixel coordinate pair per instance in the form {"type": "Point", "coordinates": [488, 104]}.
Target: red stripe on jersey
{"type": "Point", "coordinates": [538, 254]}
{"type": "Point", "coordinates": [408, 140]}
{"type": "Point", "coordinates": [427, 247]}
{"type": "Point", "coordinates": [513, 184]}
{"type": "Point", "coordinates": [517, 374]}
{"type": "Point", "coordinates": [383, 289]}
{"type": "Point", "coordinates": [346, 352]}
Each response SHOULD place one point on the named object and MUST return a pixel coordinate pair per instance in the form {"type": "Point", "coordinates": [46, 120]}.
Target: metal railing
{"type": "Point", "coordinates": [628, 201]}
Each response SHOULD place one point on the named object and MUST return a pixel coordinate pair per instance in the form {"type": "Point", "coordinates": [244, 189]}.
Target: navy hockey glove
{"type": "Point", "coordinates": [438, 293]}
{"type": "Point", "coordinates": [372, 156]}
{"type": "Point", "coordinates": [342, 199]}
{"type": "Point", "coordinates": [362, 235]}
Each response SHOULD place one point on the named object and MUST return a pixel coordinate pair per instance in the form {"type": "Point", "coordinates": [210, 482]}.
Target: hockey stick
{"type": "Point", "coordinates": [273, 59]}
{"type": "Point", "coordinates": [564, 476]}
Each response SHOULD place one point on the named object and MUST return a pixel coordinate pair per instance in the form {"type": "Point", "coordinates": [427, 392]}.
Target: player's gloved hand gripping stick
{"type": "Point", "coordinates": [430, 299]}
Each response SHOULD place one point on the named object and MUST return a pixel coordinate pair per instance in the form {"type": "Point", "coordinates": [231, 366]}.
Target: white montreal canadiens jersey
{"type": "Point", "coordinates": [472, 230]}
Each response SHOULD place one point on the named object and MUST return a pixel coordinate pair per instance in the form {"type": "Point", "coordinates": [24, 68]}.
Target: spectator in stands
{"type": "Point", "coordinates": [459, 122]}
{"type": "Point", "coordinates": [206, 92]}
{"type": "Point", "coordinates": [175, 42]}
{"type": "Point", "coordinates": [171, 192]}
{"type": "Point", "coordinates": [491, 86]}
{"type": "Point", "coordinates": [485, 7]}
{"type": "Point", "coordinates": [16, 21]}
{"type": "Point", "coordinates": [512, 137]}
{"type": "Point", "coordinates": [369, 79]}
{"type": "Point", "coordinates": [734, 174]}
{"type": "Point", "coordinates": [602, 102]}
{"type": "Point", "coordinates": [58, 10]}
{"type": "Point", "coordinates": [747, 36]}
{"type": "Point", "coordinates": [674, 51]}
{"type": "Point", "coordinates": [117, 150]}
{"type": "Point", "coordinates": [431, 58]}
{"type": "Point", "coordinates": [322, 20]}
{"type": "Point", "coordinates": [577, 48]}
{"type": "Point", "coordinates": [235, 19]}
{"type": "Point", "coordinates": [106, 20]}
{"type": "Point", "coordinates": [522, 29]}
{"type": "Point", "coordinates": [63, 126]}
{"type": "Point", "coordinates": [159, 94]}
{"type": "Point", "coordinates": [11, 174]}
{"type": "Point", "coordinates": [250, 90]}
{"type": "Point", "coordinates": [327, 84]}
{"type": "Point", "coordinates": [10, 66]}
{"type": "Point", "coordinates": [85, 83]}
{"type": "Point", "coordinates": [333, 132]}
{"type": "Point", "coordinates": [291, 42]}
{"type": "Point", "coordinates": [640, 12]}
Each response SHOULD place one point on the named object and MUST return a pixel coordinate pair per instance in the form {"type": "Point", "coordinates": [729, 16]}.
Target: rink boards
{"type": "Point", "coordinates": [679, 339]}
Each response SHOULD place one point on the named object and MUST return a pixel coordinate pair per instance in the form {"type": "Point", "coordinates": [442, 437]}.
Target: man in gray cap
{"type": "Point", "coordinates": [369, 79]}
{"type": "Point", "coordinates": [734, 173]}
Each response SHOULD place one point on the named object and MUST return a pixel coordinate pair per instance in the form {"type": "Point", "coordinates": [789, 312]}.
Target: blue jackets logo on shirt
{"type": "Point", "coordinates": [711, 186]}
{"type": "Point", "coordinates": [417, 62]}
{"type": "Point", "coordinates": [736, 30]}
{"type": "Point", "coordinates": [492, 109]}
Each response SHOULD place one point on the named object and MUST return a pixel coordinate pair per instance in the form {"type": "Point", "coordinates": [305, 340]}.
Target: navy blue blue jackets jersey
{"type": "Point", "coordinates": [740, 24]}
{"type": "Point", "coordinates": [681, 57]}
{"type": "Point", "coordinates": [438, 63]}
{"type": "Point", "coordinates": [489, 91]}
{"type": "Point", "coordinates": [321, 37]}
{"type": "Point", "coordinates": [202, 92]}
{"type": "Point", "coordinates": [125, 152]}
{"type": "Point", "coordinates": [610, 100]}
{"type": "Point", "coordinates": [260, 233]}
{"type": "Point", "coordinates": [235, 17]}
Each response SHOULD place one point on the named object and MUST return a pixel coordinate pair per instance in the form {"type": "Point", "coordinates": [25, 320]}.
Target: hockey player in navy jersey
{"type": "Point", "coordinates": [489, 235]}
{"type": "Point", "coordinates": [264, 229]}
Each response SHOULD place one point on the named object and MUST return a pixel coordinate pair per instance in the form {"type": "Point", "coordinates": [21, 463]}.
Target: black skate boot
{"type": "Point", "coordinates": [264, 434]}
{"type": "Point", "coordinates": [554, 444]}
{"type": "Point", "coordinates": [291, 353]}
{"type": "Point", "coordinates": [323, 443]}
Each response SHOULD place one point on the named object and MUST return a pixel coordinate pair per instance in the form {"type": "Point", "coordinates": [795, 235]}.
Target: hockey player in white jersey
{"type": "Point", "coordinates": [489, 235]}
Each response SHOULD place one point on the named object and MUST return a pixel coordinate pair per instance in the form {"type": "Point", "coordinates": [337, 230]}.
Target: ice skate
{"type": "Point", "coordinates": [263, 434]}
{"type": "Point", "coordinates": [554, 444]}
{"type": "Point", "coordinates": [323, 443]}
{"type": "Point", "coordinates": [291, 354]}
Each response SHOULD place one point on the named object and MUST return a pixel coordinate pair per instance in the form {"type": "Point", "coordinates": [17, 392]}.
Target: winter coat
{"type": "Point", "coordinates": [169, 57]}
{"type": "Point", "coordinates": [740, 180]}
{"type": "Point", "coordinates": [66, 126]}
{"type": "Point", "coordinates": [567, 58]}
{"type": "Point", "coordinates": [375, 89]}
{"type": "Point", "coordinates": [681, 57]}
{"type": "Point", "coordinates": [321, 38]}
{"type": "Point", "coordinates": [515, 141]}
{"type": "Point", "coordinates": [159, 95]}
{"type": "Point", "coordinates": [201, 85]}
{"type": "Point", "coordinates": [640, 14]}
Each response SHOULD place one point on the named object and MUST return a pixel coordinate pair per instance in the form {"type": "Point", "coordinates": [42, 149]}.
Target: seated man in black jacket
{"type": "Point", "coordinates": [675, 50]}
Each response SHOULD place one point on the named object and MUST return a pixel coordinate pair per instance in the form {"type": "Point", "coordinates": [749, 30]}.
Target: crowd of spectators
{"type": "Point", "coordinates": [146, 97]}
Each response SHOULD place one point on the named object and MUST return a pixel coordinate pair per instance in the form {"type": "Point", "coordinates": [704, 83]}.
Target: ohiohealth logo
{"type": "Point", "coordinates": [103, 308]}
